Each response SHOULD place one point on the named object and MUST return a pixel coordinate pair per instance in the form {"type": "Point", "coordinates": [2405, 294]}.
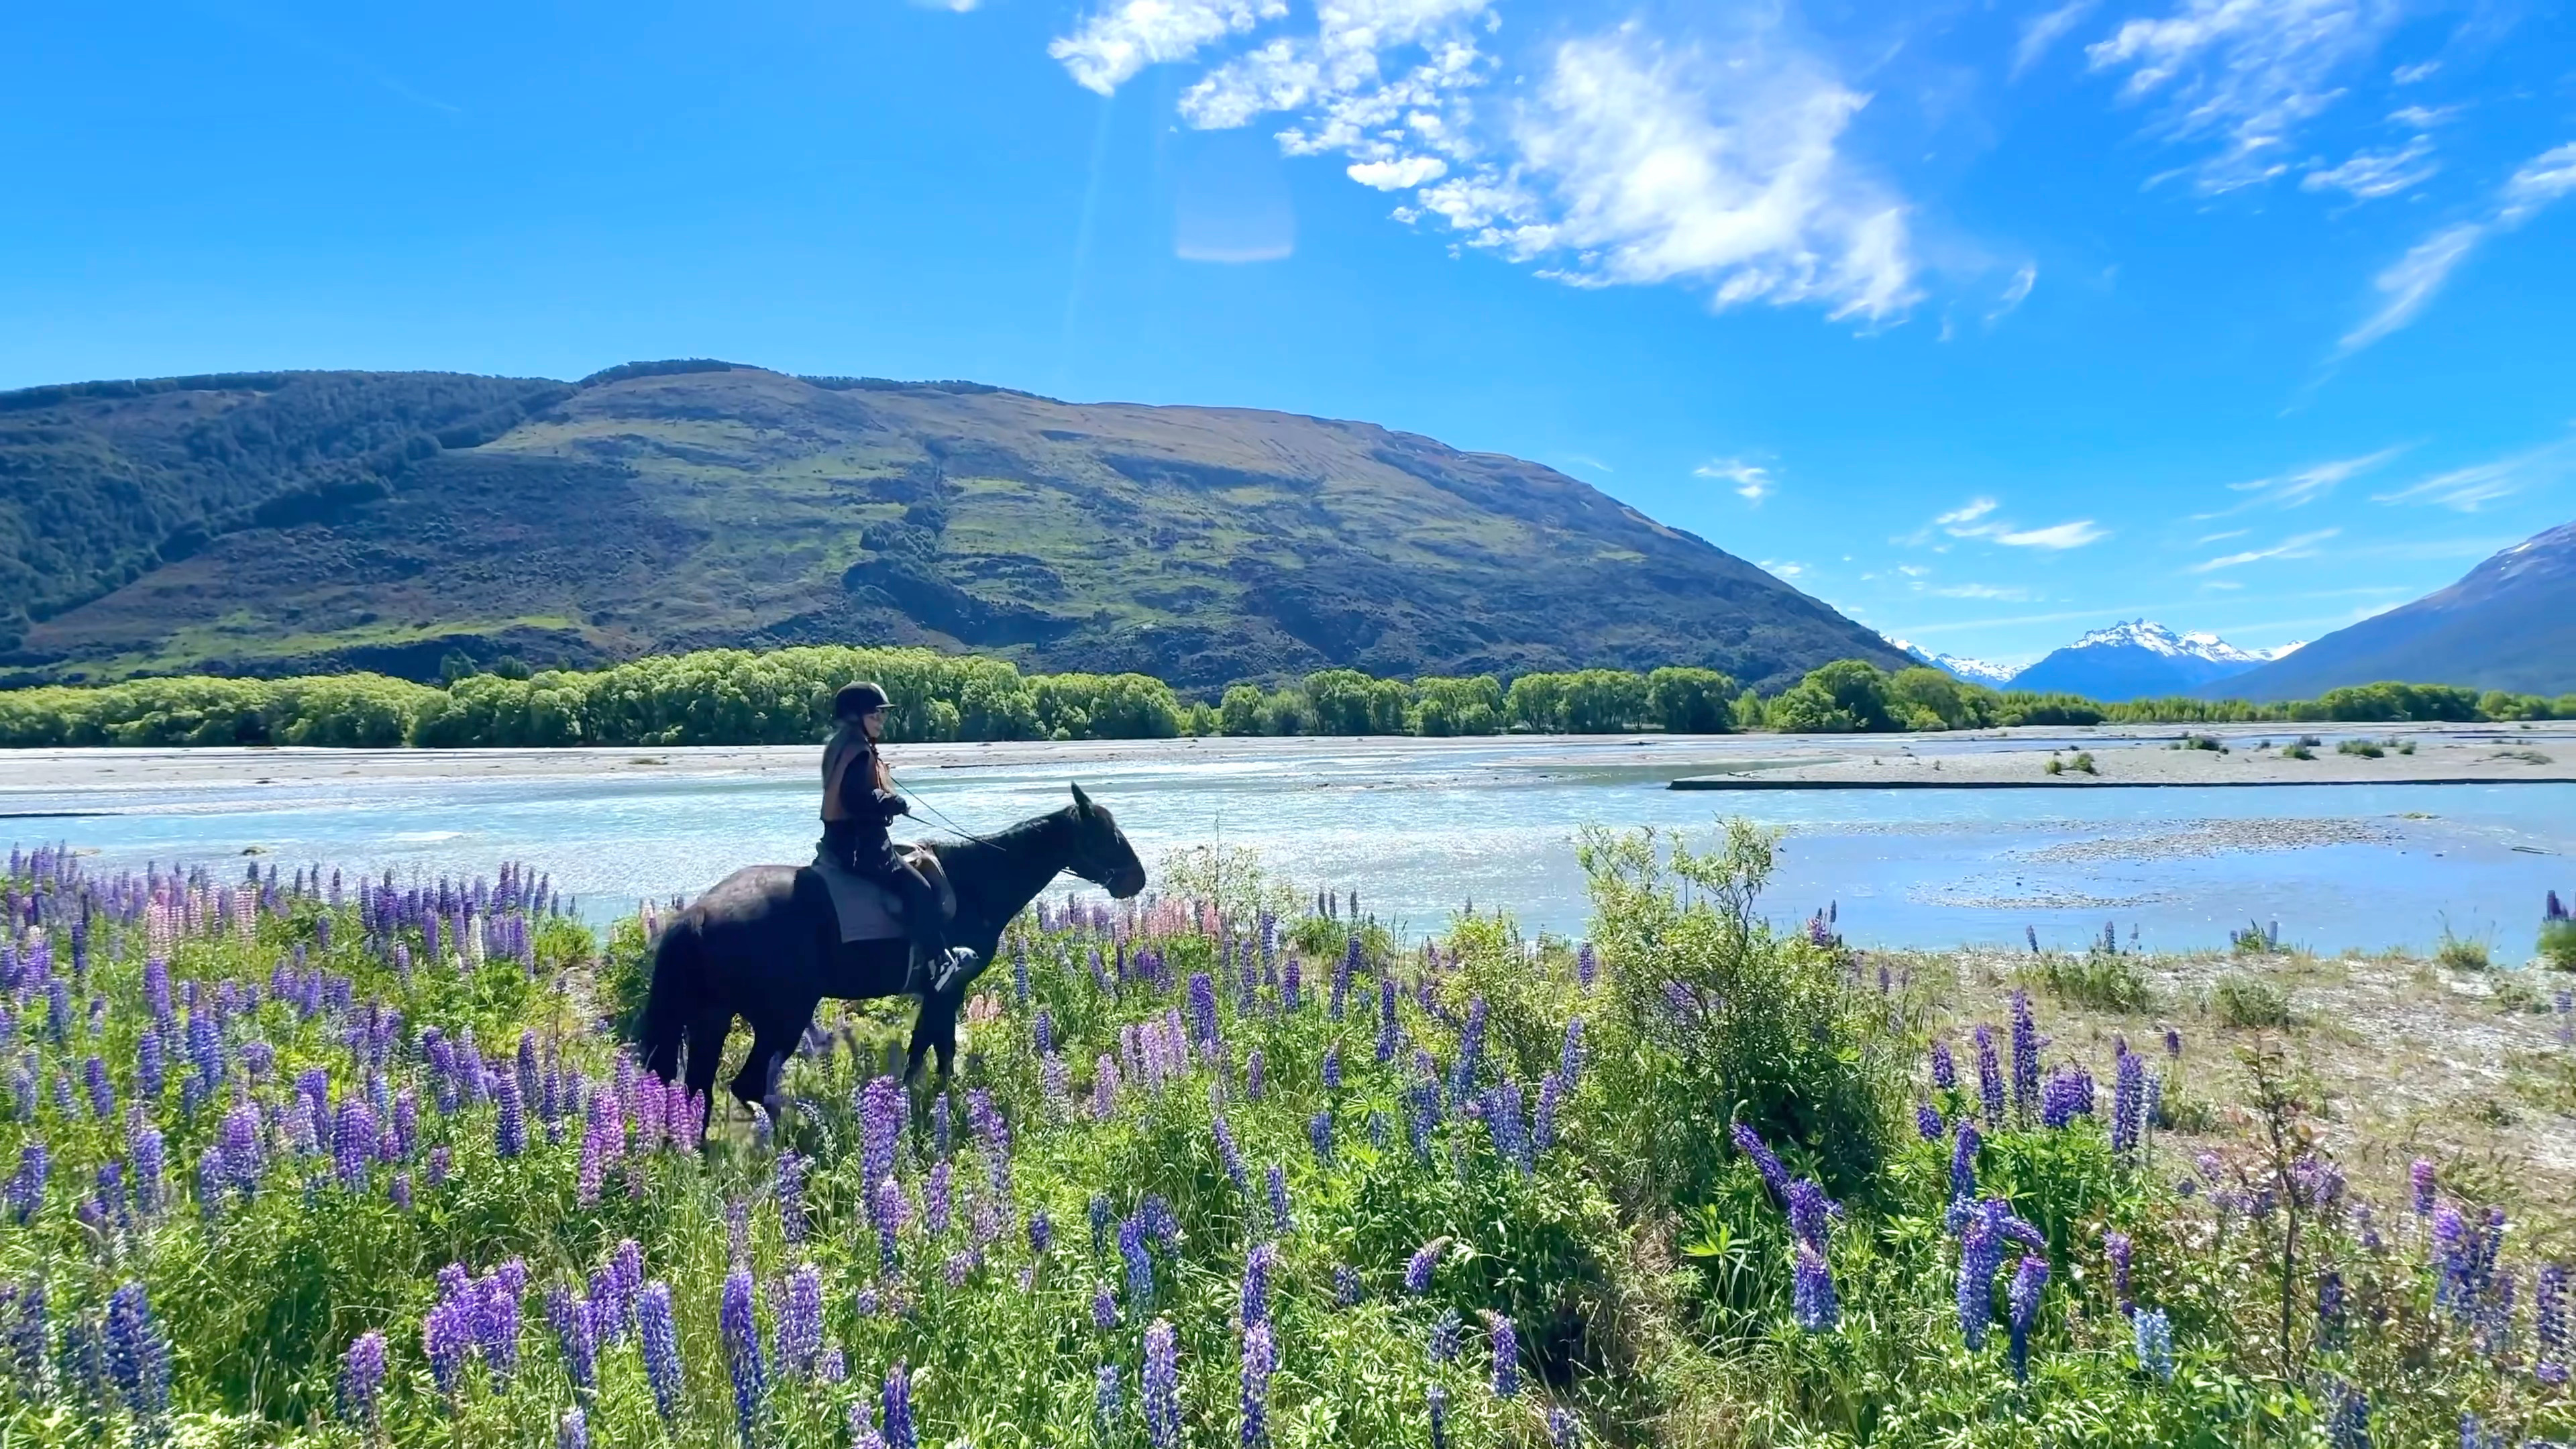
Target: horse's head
{"type": "Point", "coordinates": [1101, 854]}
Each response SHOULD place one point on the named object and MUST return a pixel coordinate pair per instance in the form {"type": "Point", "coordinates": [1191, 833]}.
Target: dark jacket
{"type": "Point", "coordinates": [855, 811]}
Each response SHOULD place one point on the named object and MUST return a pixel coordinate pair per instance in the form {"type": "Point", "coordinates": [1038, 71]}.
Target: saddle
{"type": "Point", "coordinates": [871, 912]}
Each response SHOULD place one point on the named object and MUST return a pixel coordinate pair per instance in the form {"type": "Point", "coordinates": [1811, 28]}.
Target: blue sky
{"type": "Point", "coordinates": [1987, 323]}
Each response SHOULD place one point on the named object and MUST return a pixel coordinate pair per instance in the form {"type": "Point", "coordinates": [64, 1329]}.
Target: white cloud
{"type": "Point", "coordinates": [1969, 512]}
{"type": "Point", "coordinates": [2043, 31]}
{"type": "Point", "coordinates": [2407, 75]}
{"type": "Point", "coordinates": [1784, 570]}
{"type": "Point", "coordinates": [2015, 291]}
{"type": "Point", "coordinates": [2466, 490]}
{"type": "Point", "coordinates": [2305, 486]}
{"type": "Point", "coordinates": [1401, 175]}
{"type": "Point", "coordinates": [1983, 591]}
{"type": "Point", "coordinates": [2244, 73]}
{"type": "Point", "coordinates": [2055, 537]}
{"type": "Point", "coordinates": [2422, 118]}
{"type": "Point", "coordinates": [2209, 538]}
{"type": "Point", "coordinates": [1113, 44]}
{"type": "Point", "coordinates": [2411, 282]}
{"type": "Point", "coordinates": [1753, 483]}
{"type": "Point", "coordinates": [2370, 175]}
{"type": "Point", "coordinates": [1619, 158]}
{"type": "Point", "coordinates": [2302, 546]}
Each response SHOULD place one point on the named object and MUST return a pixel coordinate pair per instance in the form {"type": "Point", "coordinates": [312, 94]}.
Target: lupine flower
{"type": "Point", "coordinates": [1812, 1292]}
{"type": "Point", "coordinates": [1279, 1219]}
{"type": "Point", "coordinates": [2153, 1333]}
{"type": "Point", "coordinates": [660, 1339]}
{"type": "Point", "coordinates": [1507, 1358]}
{"type": "Point", "coordinates": [1162, 1381]}
{"type": "Point", "coordinates": [25, 1192]}
{"type": "Point", "coordinates": [353, 1143]}
{"type": "Point", "coordinates": [942, 1131]}
{"type": "Point", "coordinates": [573, 1430]}
{"type": "Point", "coordinates": [1333, 1067]}
{"type": "Point", "coordinates": [1471, 1051]}
{"type": "Point", "coordinates": [2421, 1180]}
{"type": "Point", "coordinates": [897, 1400]}
{"type": "Point", "coordinates": [1981, 1256]}
{"type": "Point", "coordinates": [2549, 1324]}
{"type": "Point", "coordinates": [362, 1379]}
{"type": "Point", "coordinates": [1319, 1135]}
{"type": "Point", "coordinates": [791, 1197]}
{"type": "Point", "coordinates": [936, 1200]}
{"type": "Point", "coordinates": [1099, 1213]}
{"type": "Point", "coordinates": [1417, 1269]}
{"type": "Point", "coordinates": [1927, 1121]}
{"type": "Point", "coordinates": [1140, 1264]}
{"type": "Point", "coordinates": [800, 1321]}
{"type": "Point", "coordinates": [1387, 1031]}
{"type": "Point", "coordinates": [2025, 1045]}
{"type": "Point", "coordinates": [2330, 1303]}
{"type": "Point", "coordinates": [2067, 1096]}
{"type": "Point", "coordinates": [2029, 1281]}
{"type": "Point", "coordinates": [1990, 1075]}
{"type": "Point", "coordinates": [1230, 1157]}
{"type": "Point", "coordinates": [1107, 1398]}
{"type": "Point", "coordinates": [1104, 1308]}
{"type": "Point", "coordinates": [1202, 1008]}
{"type": "Point", "coordinates": [2117, 1248]}
{"type": "Point", "coordinates": [446, 1336]}
{"type": "Point", "coordinates": [511, 1131]}
{"type": "Point", "coordinates": [1945, 1070]}
{"type": "Point", "coordinates": [1443, 1342]}
{"type": "Point", "coordinates": [151, 1165]}
{"type": "Point", "coordinates": [1435, 1400]}
{"type": "Point", "coordinates": [1260, 1360]}
{"type": "Point", "coordinates": [880, 1125]}
{"type": "Point", "coordinates": [2347, 1417]}
{"type": "Point", "coordinates": [1750, 1143]}
{"type": "Point", "coordinates": [742, 1350]}
{"type": "Point", "coordinates": [138, 1354]}
{"type": "Point", "coordinates": [887, 1208]}
{"type": "Point", "coordinates": [1256, 1284]}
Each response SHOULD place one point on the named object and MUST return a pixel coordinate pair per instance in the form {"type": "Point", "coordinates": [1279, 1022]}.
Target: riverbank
{"type": "Point", "coordinates": [2414, 755]}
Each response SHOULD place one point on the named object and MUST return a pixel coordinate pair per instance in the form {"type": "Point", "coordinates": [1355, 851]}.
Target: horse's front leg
{"type": "Point", "coordinates": [773, 1036]}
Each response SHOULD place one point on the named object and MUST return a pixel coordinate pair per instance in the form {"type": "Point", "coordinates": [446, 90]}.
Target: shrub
{"type": "Point", "coordinates": [2243, 1000]}
{"type": "Point", "coordinates": [2097, 980]}
{"type": "Point", "coordinates": [2367, 749]}
{"type": "Point", "coordinates": [2462, 953]}
{"type": "Point", "coordinates": [2558, 944]}
{"type": "Point", "coordinates": [2083, 761]}
{"type": "Point", "coordinates": [2300, 751]}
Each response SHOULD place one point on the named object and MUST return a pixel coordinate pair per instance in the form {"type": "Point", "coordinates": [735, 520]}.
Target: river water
{"type": "Point", "coordinates": [1418, 827]}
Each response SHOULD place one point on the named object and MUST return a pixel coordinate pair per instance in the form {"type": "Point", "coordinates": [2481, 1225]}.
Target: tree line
{"type": "Point", "coordinates": [739, 697]}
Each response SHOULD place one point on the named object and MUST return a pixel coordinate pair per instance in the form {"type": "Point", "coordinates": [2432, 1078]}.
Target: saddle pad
{"type": "Point", "coordinates": [871, 912]}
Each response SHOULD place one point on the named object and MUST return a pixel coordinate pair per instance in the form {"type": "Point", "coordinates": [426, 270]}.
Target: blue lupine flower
{"type": "Point", "coordinates": [1319, 1136]}
{"type": "Point", "coordinates": [2117, 1248]}
{"type": "Point", "coordinates": [2025, 1046]}
{"type": "Point", "coordinates": [800, 1321]}
{"type": "Point", "coordinates": [1417, 1269]}
{"type": "Point", "coordinates": [1507, 1358]}
{"type": "Point", "coordinates": [1750, 1143]}
{"type": "Point", "coordinates": [2128, 1101]}
{"type": "Point", "coordinates": [1809, 1212]}
{"type": "Point", "coordinates": [897, 1400]}
{"type": "Point", "coordinates": [353, 1143]}
{"type": "Point", "coordinates": [1162, 1384]}
{"type": "Point", "coordinates": [362, 1379]}
{"type": "Point", "coordinates": [1256, 1284]}
{"type": "Point", "coordinates": [1551, 1096]}
{"type": "Point", "coordinates": [2029, 1281]}
{"type": "Point", "coordinates": [2347, 1417]}
{"type": "Point", "coordinates": [880, 1126]}
{"type": "Point", "coordinates": [2420, 1177]}
{"type": "Point", "coordinates": [1927, 1121]}
{"type": "Point", "coordinates": [937, 1198]}
{"type": "Point", "coordinates": [573, 1430]}
{"type": "Point", "coordinates": [1963, 1164]}
{"type": "Point", "coordinates": [446, 1336]}
{"type": "Point", "coordinates": [511, 1130]}
{"type": "Point", "coordinates": [1981, 1256]}
{"type": "Point", "coordinates": [25, 1193]}
{"type": "Point", "coordinates": [1443, 1342]}
{"type": "Point", "coordinates": [138, 1354]}
{"type": "Point", "coordinates": [1812, 1292]}
{"type": "Point", "coordinates": [741, 1332]}
{"type": "Point", "coordinates": [1387, 1032]}
{"type": "Point", "coordinates": [1107, 1398]}
{"type": "Point", "coordinates": [1990, 1075]}
{"type": "Point", "coordinates": [1260, 1360]}
{"type": "Point", "coordinates": [1435, 1400]}
{"type": "Point", "coordinates": [1333, 1067]}
{"type": "Point", "coordinates": [1255, 1070]}
{"type": "Point", "coordinates": [1564, 1431]}
{"type": "Point", "coordinates": [2153, 1333]}
{"type": "Point", "coordinates": [1140, 1265]}
{"type": "Point", "coordinates": [1471, 1051]}
{"type": "Point", "coordinates": [1945, 1070]}
{"type": "Point", "coordinates": [2549, 1324]}
{"type": "Point", "coordinates": [575, 1336]}
{"type": "Point", "coordinates": [151, 1165]}
{"type": "Point", "coordinates": [1202, 1008]}
{"type": "Point", "coordinates": [1229, 1156]}
{"type": "Point", "coordinates": [1041, 1233]}
{"type": "Point", "coordinates": [1347, 1288]}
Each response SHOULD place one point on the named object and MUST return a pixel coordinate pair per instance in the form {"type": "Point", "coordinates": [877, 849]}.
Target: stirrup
{"type": "Point", "coordinates": [932, 974]}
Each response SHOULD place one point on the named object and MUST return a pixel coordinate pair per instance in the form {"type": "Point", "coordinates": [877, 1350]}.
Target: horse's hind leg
{"type": "Point", "coordinates": [706, 1054]}
{"type": "Point", "coordinates": [771, 1039]}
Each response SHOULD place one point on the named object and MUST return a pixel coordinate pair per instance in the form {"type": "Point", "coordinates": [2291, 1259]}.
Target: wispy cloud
{"type": "Point", "coordinates": [2411, 282]}
{"type": "Point", "coordinates": [1753, 483]}
{"type": "Point", "coordinates": [2246, 74]}
{"type": "Point", "coordinates": [2209, 538]}
{"type": "Point", "coordinates": [1983, 591]}
{"type": "Point", "coordinates": [1976, 519]}
{"type": "Point", "coordinates": [2466, 490]}
{"type": "Point", "coordinates": [2016, 292]}
{"type": "Point", "coordinates": [2302, 546]}
{"type": "Point", "coordinates": [1783, 568]}
{"type": "Point", "coordinates": [1969, 512]}
{"type": "Point", "coordinates": [1626, 157]}
{"type": "Point", "coordinates": [2305, 485]}
{"type": "Point", "coordinates": [2044, 31]}
{"type": "Point", "coordinates": [2371, 175]}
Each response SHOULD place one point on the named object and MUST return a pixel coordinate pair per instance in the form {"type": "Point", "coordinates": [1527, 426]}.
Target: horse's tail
{"type": "Point", "coordinates": [672, 998]}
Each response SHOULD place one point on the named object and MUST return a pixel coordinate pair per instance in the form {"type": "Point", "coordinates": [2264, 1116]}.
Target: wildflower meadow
{"type": "Point", "coordinates": [306, 1157]}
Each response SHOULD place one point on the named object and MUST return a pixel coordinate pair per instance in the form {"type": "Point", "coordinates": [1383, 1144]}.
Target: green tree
{"type": "Point", "coordinates": [1239, 712]}
{"type": "Point", "coordinates": [1537, 702]}
{"type": "Point", "coordinates": [1844, 697]}
{"type": "Point", "coordinates": [1690, 701]}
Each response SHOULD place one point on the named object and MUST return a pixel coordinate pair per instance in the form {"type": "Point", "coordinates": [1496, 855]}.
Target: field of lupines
{"type": "Point", "coordinates": [310, 1159]}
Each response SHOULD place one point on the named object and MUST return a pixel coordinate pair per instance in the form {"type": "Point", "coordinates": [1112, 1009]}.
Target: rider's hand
{"type": "Point", "coordinates": [898, 805]}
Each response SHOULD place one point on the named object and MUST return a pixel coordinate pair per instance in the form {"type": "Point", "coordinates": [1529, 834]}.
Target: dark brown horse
{"type": "Point", "coordinates": [765, 945]}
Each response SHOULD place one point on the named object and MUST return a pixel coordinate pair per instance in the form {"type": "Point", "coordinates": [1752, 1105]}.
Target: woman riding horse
{"type": "Point", "coordinates": [859, 804]}
{"type": "Point", "coordinates": [765, 944]}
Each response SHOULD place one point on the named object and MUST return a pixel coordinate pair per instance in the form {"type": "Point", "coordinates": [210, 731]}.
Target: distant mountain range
{"type": "Point", "coordinates": [277, 523]}
{"type": "Point", "coordinates": [2509, 624]}
{"type": "Point", "coordinates": [2135, 660]}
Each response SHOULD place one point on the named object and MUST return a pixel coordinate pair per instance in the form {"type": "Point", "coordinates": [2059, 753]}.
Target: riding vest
{"type": "Point", "coordinates": [850, 790]}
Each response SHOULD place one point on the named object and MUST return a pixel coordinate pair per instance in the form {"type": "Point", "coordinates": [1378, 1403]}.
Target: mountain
{"type": "Point", "coordinates": [2509, 623]}
{"type": "Point", "coordinates": [290, 522]}
{"type": "Point", "coordinates": [2138, 660]}
{"type": "Point", "coordinates": [1975, 671]}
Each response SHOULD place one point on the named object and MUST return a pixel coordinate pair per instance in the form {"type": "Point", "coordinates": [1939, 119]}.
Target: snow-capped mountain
{"type": "Point", "coordinates": [2140, 659]}
{"type": "Point", "coordinates": [1975, 671]}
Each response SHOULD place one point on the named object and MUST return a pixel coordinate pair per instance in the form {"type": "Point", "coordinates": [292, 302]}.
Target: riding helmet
{"type": "Point", "coordinates": [858, 699]}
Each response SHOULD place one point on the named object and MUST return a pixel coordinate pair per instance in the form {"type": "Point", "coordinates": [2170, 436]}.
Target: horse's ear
{"type": "Point", "coordinates": [1081, 802]}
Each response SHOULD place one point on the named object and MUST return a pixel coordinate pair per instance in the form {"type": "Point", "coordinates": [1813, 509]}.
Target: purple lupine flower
{"type": "Point", "coordinates": [1156, 1216]}
{"type": "Point", "coordinates": [573, 1430]}
{"type": "Point", "coordinates": [1347, 1289]}
{"type": "Point", "coordinates": [1280, 1223]}
{"type": "Point", "coordinates": [1418, 1268]}
{"type": "Point", "coordinates": [1162, 1384]}
{"type": "Point", "coordinates": [660, 1338]}
{"type": "Point", "coordinates": [353, 1142]}
{"type": "Point", "coordinates": [1471, 1051]}
{"type": "Point", "coordinates": [1442, 1342]}
{"type": "Point", "coordinates": [897, 1400]}
{"type": "Point", "coordinates": [1507, 1357]}
{"type": "Point", "coordinates": [995, 1135]}
{"type": "Point", "coordinates": [2128, 1102]}
{"type": "Point", "coordinates": [1927, 1121]}
{"type": "Point", "coordinates": [1042, 1030]}
{"type": "Point", "coordinates": [2153, 1333]}
{"type": "Point", "coordinates": [2117, 1248]}
{"type": "Point", "coordinates": [1260, 1360]}
{"type": "Point", "coordinates": [1107, 1398]}
{"type": "Point", "coordinates": [1230, 1156]}
{"type": "Point", "coordinates": [938, 1197]}
{"type": "Point", "coordinates": [1319, 1136]}
{"type": "Point", "coordinates": [2025, 1049]}
{"type": "Point", "coordinates": [2347, 1416]}
{"type": "Point", "coordinates": [1945, 1070]}
{"type": "Point", "coordinates": [1809, 1211]}
{"type": "Point", "coordinates": [1099, 1214]}
{"type": "Point", "coordinates": [442, 1160]}
{"type": "Point", "coordinates": [1981, 1256]}
{"type": "Point", "coordinates": [1551, 1093]}
{"type": "Point", "coordinates": [1291, 986]}
{"type": "Point", "coordinates": [446, 1336]}
{"type": "Point", "coordinates": [2067, 1096]}
{"type": "Point", "coordinates": [496, 1319]}
{"type": "Point", "coordinates": [2029, 1281]}
{"type": "Point", "coordinates": [2549, 1324]}
{"type": "Point", "coordinates": [1041, 1233]}
{"type": "Point", "coordinates": [1388, 1034]}
{"type": "Point", "coordinates": [102, 1092]}
{"type": "Point", "coordinates": [800, 1321]}
{"type": "Point", "coordinates": [1104, 1308]}
{"type": "Point", "coordinates": [2330, 1303]}
{"type": "Point", "coordinates": [151, 1065]}
{"type": "Point", "coordinates": [1140, 1264]}
{"type": "Point", "coordinates": [741, 1330]}
{"type": "Point", "coordinates": [239, 1148]}
{"type": "Point", "coordinates": [25, 1193]}
{"type": "Point", "coordinates": [1202, 1008]}
{"type": "Point", "coordinates": [1812, 1292]}
{"type": "Point", "coordinates": [150, 1156]}
{"type": "Point", "coordinates": [510, 1131]}
{"type": "Point", "coordinates": [791, 1197]}
{"type": "Point", "coordinates": [138, 1356]}
{"type": "Point", "coordinates": [1255, 1070]}
{"type": "Point", "coordinates": [575, 1336]}
{"type": "Point", "coordinates": [2420, 1178]}
{"type": "Point", "coordinates": [1990, 1075]}
{"type": "Point", "coordinates": [1502, 1108]}
{"type": "Point", "coordinates": [362, 1381]}
{"type": "Point", "coordinates": [1256, 1284]}
{"type": "Point", "coordinates": [887, 1209]}
{"type": "Point", "coordinates": [1766, 1162]}
{"type": "Point", "coordinates": [880, 1126]}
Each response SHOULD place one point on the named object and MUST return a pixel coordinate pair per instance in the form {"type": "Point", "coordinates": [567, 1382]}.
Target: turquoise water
{"type": "Point", "coordinates": [1420, 828]}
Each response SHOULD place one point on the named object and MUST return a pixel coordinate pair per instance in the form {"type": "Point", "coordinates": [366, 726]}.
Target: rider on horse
{"type": "Point", "coordinates": [859, 803]}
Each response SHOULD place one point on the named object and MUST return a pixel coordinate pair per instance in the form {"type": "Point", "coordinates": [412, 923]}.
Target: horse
{"type": "Point", "coordinates": [765, 944]}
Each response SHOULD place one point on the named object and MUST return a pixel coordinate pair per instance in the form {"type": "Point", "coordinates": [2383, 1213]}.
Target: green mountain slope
{"type": "Point", "coordinates": [686, 505]}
